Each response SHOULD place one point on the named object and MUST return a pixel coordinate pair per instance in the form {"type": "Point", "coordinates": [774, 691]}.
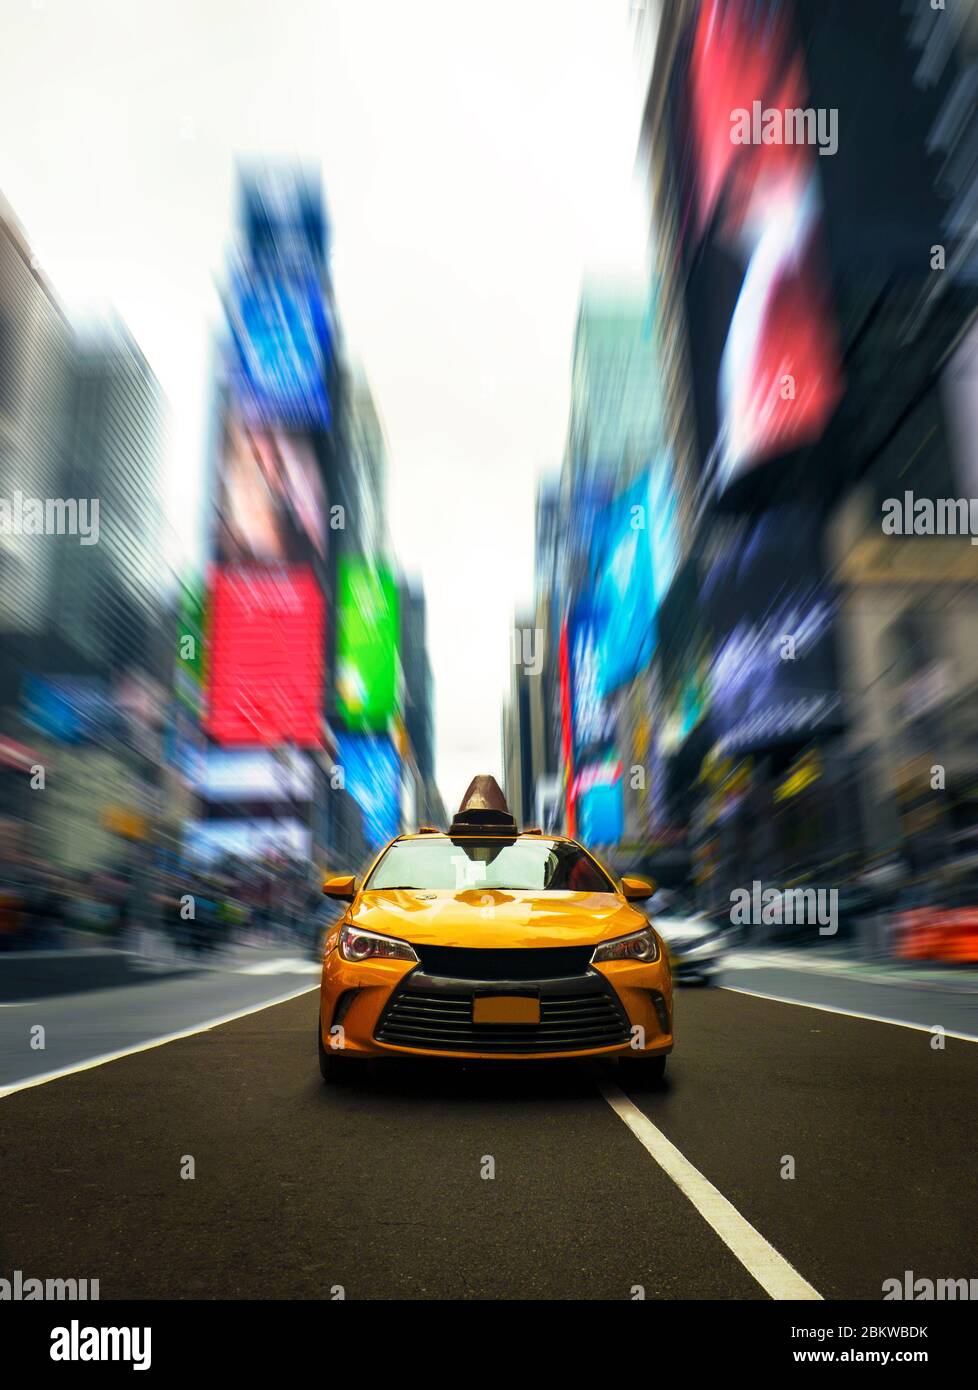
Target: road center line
{"type": "Point", "coordinates": [772, 1271]}
{"type": "Point", "coordinates": [104, 1057]}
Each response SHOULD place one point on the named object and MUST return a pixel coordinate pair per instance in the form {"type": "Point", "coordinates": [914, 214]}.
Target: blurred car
{"type": "Point", "coordinates": [695, 942]}
{"type": "Point", "coordinates": [485, 942]}
{"type": "Point", "coordinates": [938, 922]}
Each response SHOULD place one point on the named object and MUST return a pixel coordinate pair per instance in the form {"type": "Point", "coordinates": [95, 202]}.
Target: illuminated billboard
{"type": "Point", "coordinates": [283, 215]}
{"type": "Point", "coordinates": [267, 634]}
{"type": "Point", "coordinates": [773, 677]}
{"type": "Point", "coordinates": [272, 503]}
{"type": "Point", "coordinates": [372, 773]}
{"type": "Point", "coordinates": [210, 841]}
{"type": "Point", "coordinates": [600, 803]}
{"type": "Point", "coordinates": [255, 774]}
{"type": "Point", "coordinates": [70, 709]}
{"type": "Point", "coordinates": [633, 559]}
{"type": "Point", "coordinates": [767, 367]}
{"type": "Point", "coordinates": [592, 718]}
{"type": "Point", "coordinates": [281, 347]}
{"type": "Point", "coordinates": [368, 626]}
{"type": "Point", "coordinates": [190, 670]}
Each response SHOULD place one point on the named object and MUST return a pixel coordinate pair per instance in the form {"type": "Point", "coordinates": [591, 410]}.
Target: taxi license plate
{"type": "Point", "coordinates": [505, 1008]}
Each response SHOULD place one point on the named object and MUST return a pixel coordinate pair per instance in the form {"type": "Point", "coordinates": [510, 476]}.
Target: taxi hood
{"type": "Point", "coordinates": [483, 918]}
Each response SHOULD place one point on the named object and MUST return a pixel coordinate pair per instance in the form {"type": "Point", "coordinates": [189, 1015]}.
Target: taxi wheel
{"type": "Point", "coordinates": [642, 1071]}
{"type": "Point", "coordinates": [333, 1069]}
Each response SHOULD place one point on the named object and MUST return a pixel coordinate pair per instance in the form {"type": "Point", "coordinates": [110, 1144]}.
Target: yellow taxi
{"type": "Point", "coordinates": [488, 942]}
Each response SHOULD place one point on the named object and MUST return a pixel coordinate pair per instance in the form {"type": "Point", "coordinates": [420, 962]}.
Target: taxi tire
{"type": "Point", "coordinates": [643, 1071]}
{"type": "Point", "coordinates": [334, 1070]}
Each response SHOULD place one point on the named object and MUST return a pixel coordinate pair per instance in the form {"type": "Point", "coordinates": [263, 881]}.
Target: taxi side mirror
{"type": "Point", "coordinates": [344, 886]}
{"type": "Point", "coordinates": [636, 890]}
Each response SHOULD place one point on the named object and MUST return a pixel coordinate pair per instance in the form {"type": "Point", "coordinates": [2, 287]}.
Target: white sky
{"type": "Point", "coordinates": [478, 160]}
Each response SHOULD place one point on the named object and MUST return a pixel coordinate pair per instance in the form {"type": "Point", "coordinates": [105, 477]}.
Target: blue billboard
{"type": "Point", "coordinates": [282, 346]}
{"type": "Point", "coordinates": [634, 553]}
{"type": "Point", "coordinates": [283, 215]}
{"type": "Point", "coordinates": [593, 720]}
{"type": "Point", "coordinates": [372, 775]}
{"type": "Point", "coordinates": [601, 804]}
{"type": "Point", "coordinates": [69, 709]}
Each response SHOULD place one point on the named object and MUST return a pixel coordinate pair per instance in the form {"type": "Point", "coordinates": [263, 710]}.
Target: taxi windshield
{"type": "Point", "coordinates": [525, 865]}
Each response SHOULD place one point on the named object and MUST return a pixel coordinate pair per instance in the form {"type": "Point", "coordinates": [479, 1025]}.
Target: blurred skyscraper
{"type": "Point", "coordinates": [35, 384]}
{"type": "Point", "coordinates": [419, 711]}
{"type": "Point", "coordinates": [364, 477]}
{"type": "Point", "coordinates": [615, 422]}
{"type": "Point", "coordinates": [109, 599]}
{"type": "Point", "coordinates": [83, 684]}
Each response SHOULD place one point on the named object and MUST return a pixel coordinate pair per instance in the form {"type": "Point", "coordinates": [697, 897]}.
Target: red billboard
{"type": "Point", "coordinates": [756, 145]}
{"type": "Point", "coordinates": [266, 668]}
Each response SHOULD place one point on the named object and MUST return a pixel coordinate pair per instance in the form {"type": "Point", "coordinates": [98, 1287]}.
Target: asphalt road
{"type": "Point", "coordinates": [85, 1017]}
{"type": "Point", "coordinates": [381, 1188]}
{"type": "Point", "coordinates": [947, 999]}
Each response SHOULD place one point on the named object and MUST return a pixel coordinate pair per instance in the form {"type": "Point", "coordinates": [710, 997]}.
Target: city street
{"type": "Point", "coordinates": [488, 698]}
{"type": "Point", "coordinates": [382, 1188]}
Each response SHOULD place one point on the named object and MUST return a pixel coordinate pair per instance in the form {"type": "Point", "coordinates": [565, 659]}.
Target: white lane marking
{"type": "Point", "coordinates": [100, 1061]}
{"type": "Point", "coordinates": [853, 1013]}
{"type": "Point", "coordinates": [772, 1271]}
{"type": "Point", "coordinates": [282, 965]}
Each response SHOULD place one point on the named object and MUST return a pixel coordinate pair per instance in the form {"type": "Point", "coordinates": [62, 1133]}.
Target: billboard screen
{"type": "Point", "coordinates": [183, 745]}
{"type": "Point", "coordinates": [281, 341]}
{"type": "Point", "coordinates": [283, 216]}
{"type": "Point", "coordinates": [773, 678]}
{"type": "Point", "coordinates": [190, 672]}
{"type": "Point", "coordinates": [272, 502]}
{"type": "Point", "coordinates": [600, 803]}
{"type": "Point", "coordinates": [267, 636]}
{"type": "Point", "coordinates": [592, 717]}
{"type": "Point", "coordinates": [368, 626]}
{"type": "Point", "coordinates": [774, 368]}
{"type": "Point", "coordinates": [209, 841]}
{"type": "Point", "coordinates": [633, 559]}
{"type": "Point", "coordinates": [372, 773]}
{"type": "Point", "coordinates": [70, 709]}
{"type": "Point", "coordinates": [254, 774]}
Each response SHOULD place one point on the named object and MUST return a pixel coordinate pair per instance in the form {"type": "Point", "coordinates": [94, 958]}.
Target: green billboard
{"type": "Point", "coordinates": [368, 625]}
{"type": "Point", "coordinates": [190, 675]}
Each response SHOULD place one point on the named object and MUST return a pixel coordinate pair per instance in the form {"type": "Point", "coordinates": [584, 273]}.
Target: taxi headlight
{"type": "Point", "coordinates": [355, 945]}
{"type": "Point", "coordinates": [639, 945]}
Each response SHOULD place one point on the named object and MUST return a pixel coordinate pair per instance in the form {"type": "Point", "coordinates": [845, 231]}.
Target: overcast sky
{"type": "Point", "coordinates": [478, 160]}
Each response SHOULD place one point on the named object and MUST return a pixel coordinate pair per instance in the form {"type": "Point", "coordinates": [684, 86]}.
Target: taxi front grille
{"type": "Point", "coordinates": [440, 1020]}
